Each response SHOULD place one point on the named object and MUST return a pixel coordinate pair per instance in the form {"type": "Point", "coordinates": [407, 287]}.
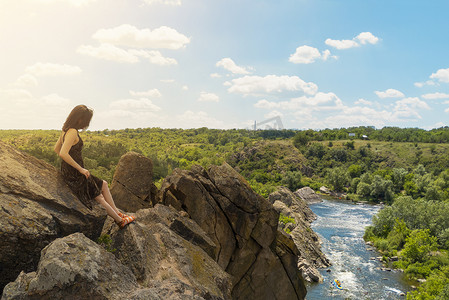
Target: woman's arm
{"type": "Point", "coordinates": [58, 145]}
{"type": "Point", "coordinates": [69, 140]}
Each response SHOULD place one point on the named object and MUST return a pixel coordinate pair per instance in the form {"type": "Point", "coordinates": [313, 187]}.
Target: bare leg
{"type": "Point", "coordinates": [107, 196]}
{"type": "Point", "coordinates": [111, 212]}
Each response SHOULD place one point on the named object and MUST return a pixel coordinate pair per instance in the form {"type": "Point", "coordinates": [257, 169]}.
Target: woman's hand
{"type": "Point", "coordinates": [85, 172]}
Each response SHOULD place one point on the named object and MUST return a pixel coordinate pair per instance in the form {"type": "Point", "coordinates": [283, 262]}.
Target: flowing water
{"type": "Point", "coordinates": [340, 226]}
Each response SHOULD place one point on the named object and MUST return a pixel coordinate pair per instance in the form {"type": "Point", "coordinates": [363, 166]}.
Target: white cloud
{"type": "Point", "coordinates": [229, 64]}
{"type": "Point", "coordinates": [167, 80]}
{"type": "Point", "coordinates": [208, 97]}
{"type": "Point", "coordinates": [108, 52]}
{"type": "Point", "coordinates": [20, 109]}
{"type": "Point", "coordinates": [133, 104]}
{"type": "Point", "coordinates": [341, 44]}
{"type": "Point", "coordinates": [130, 36]}
{"type": "Point", "coordinates": [409, 107]}
{"type": "Point", "coordinates": [26, 80]}
{"type": "Point", "coordinates": [273, 114]}
{"type": "Point", "coordinates": [367, 37]}
{"type": "Point", "coordinates": [215, 75]}
{"type": "Point", "coordinates": [320, 101]}
{"type": "Point", "coordinates": [190, 119]}
{"type": "Point", "coordinates": [435, 96]}
{"type": "Point", "coordinates": [442, 75]}
{"type": "Point", "coordinates": [421, 84]}
{"type": "Point", "coordinates": [390, 93]}
{"type": "Point", "coordinates": [266, 104]}
{"type": "Point", "coordinates": [185, 88]}
{"type": "Point", "coordinates": [154, 57]}
{"type": "Point", "coordinates": [50, 69]}
{"type": "Point", "coordinates": [112, 53]}
{"type": "Point", "coordinates": [363, 38]}
{"type": "Point", "coordinates": [166, 2]}
{"type": "Point", "coordinates": [270, 84]}
{"type": "Point", "coordinates": [363, 102]}
{"type": "Point", "coordinates": [56, 100]}
{"type": "Point", "coordinates": [153, 93]}
{"type": "Point", "coordinates": [305, 55]}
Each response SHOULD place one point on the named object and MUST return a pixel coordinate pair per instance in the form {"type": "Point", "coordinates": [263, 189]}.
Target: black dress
{"type": "Point", "coordinates": [86, 189]}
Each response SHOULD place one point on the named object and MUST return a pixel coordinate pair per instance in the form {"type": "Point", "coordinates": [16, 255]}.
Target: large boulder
{"type": "Point", "coordinates": [170, 254]}
{"type": "Point", "coordinates": [74, 267]}
{"type": "Point", "coordinates": [310, 256]}
{"type": "Point", "coordinates": [132, 186]}
{"type": "Point", "coordinates": [243, 226]}
{"type": "Point", "coordinates": [308, 195]}
{"type": "Point", "coordinates": [36, 207]}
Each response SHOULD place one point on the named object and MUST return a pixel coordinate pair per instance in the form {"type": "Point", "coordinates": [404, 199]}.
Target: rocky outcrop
{"type": "Point", "coordinates": [243, 226]}
{"type": "Point", "coordinates": [213, 239]}
{"type": "Point", "coordinates": [150, 261]}
{"type": "Point", "coordinates": [132, 186]}
{"type": "Point", "coordinates": [36, 207]}
{"type": "Point", "coordinates": [308, 195]}
{"type": "Point", "coordinates": [74, 267]}
{"type": "Point", "coordinates": [306, 240]}
{"type": "Point", "coordinates": [170, 254]}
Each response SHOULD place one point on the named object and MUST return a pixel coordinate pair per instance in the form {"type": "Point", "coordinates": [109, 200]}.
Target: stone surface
{"type": "Point", "coordinates": [308, 195]}
{"type": "Point", "coordinates": [36, 207]}
{"type": "Point", "coordinates": [306, 240]}
{"type": "Point", "coordinates": [167, 263]}
{"type": "Point", "coordinates": [132, 186]}
{"type": "Point", "coordinates": [243, 226]}
{"type": "Point", "coordinates": [74, 267]}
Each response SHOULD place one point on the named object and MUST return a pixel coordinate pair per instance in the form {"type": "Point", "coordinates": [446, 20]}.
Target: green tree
{"type": "Point", "coordinates": [355, 171]}
{"type": "Point", "coordinates": [338, 177]}
{"type": "Point", "coordinates": [419, 244]}
{"type": "Point", "coordinates": [300, 139]}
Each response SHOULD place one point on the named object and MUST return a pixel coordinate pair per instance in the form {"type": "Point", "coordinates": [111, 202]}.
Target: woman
{"type": "Point", "coordinates": [84, 185]}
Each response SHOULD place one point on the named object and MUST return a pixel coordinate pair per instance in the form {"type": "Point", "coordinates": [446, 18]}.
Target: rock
{"type": "Point", "coordinates": [132, 186]}
{"type": "Point", "coordinates": [421, 280]}
{"type": "Point", "coordinates": [74, 267]}
{"type": "Point", "coordinates": [309, 273]}
{"type": "Point", "coordinates": [394, 258]}
{"type": "Point", "coordinates": [308, 195]}
{"type": "Point", "coordinates": [242, 224]}
{"type": "Point", "coordinates": [305, 239]}
{"type": "Point", "coordinates": [325, 190]}
{"type": "Point", "coordinates": [36, 207]}
{"type": "Point", "coordinates": [168, 263]}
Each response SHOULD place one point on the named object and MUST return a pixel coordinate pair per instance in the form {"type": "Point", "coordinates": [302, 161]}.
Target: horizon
{"type": "Point", "coordinates": [187, 64]}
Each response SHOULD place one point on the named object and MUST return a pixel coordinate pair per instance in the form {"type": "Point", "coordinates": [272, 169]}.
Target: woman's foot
{"type": "Point", "coordinates": [126, 220]}
{"type": "Point", "coordinates": [122, 215]}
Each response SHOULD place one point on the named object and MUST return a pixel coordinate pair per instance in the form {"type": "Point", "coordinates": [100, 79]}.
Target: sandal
{"type": "Point", "coordinates": [126, 220]}
{"type": "Point", "coordinates": [122, 215]}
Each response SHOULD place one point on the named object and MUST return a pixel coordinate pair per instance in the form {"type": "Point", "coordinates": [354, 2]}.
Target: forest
{"type": "Point", "coordinates": [407, 169]}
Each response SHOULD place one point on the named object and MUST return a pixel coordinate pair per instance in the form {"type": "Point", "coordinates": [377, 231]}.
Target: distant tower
{"type": "Point", "coordinates": [277, 120]}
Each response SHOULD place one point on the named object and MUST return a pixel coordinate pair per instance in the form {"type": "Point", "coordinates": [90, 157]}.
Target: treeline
{"type": "Point", "coordinates": [388, 134]}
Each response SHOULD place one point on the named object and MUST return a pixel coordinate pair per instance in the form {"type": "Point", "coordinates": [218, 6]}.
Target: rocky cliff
{"type": "Point", "coordinates": [210, 237]}
{"type": "Point", "coordinates": [36, 207]}
{"type": "Point", "coordinates": [306, 240]}
{"type": "Point", "coordinates": [243, 226]}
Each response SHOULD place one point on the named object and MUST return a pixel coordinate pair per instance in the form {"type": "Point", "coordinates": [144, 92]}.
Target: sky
{"type": "Point", "coordinates": [225, 63]}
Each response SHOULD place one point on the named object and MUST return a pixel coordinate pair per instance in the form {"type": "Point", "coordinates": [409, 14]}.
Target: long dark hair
{"type": "Point", "coordinates": [79, 118]}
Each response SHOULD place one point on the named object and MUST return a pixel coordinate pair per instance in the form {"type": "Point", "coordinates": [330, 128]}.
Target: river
{"type": "Point", "coordinates": [340, 225]}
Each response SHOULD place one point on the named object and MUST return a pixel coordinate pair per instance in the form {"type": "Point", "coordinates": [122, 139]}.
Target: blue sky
{"type": "Point", "coordinates": [224, 64]}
